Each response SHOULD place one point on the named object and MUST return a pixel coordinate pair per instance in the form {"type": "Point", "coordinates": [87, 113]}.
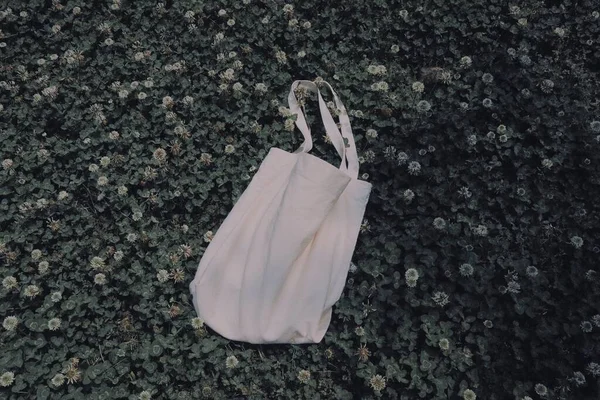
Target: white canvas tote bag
{"type": "Point", "coordinates": [279, 261]}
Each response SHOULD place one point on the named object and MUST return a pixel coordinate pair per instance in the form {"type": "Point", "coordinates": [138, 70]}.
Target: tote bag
{"type": "Point", "coordinates": [279, 261]}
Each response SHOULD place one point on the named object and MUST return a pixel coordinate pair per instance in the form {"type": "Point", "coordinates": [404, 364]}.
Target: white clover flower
{"type": "Point", "coordinates": [132, 237]}
{"type": "Point", "coordinates": [100, 279]}
{"type": "Point", "coordinates": [122, 190]}
{"type": "Point", "coordinates": [402, 158]}
{"type": "Point", "coordinates": [231, 362]}
{"type": "Point", "coordinates": [228, 74]}
{"type": "Point", "coordinates": [7, 379]}
{"type": "Point", "coordinates": [43, 267]}
{"type": "Point", "coordinates": [50, 91]}
{"type": "Point", "coordinates": [208, 236]}
{"type": "Point", "coordinates": [577, 241]}
{"type": "Point", "coordinates": [372, 133]}
{"type": "Point", "coordinates": [306, 25]}
{"type": "Point", "coordinates": [189, 15]}
{"type": "Point", "coordinates": [229, 149]}
{"type": "Point", "coordinates": [102, 181]}
{"type": "Point", "coordinates": [222, 13]}
{"type": "Point", "coordinates": [480, 230]}
{"type": "Point", "coordinates": [58, 380]}
{"type": "Point", "coordinates": [159, 155]}
{"type": "Point", "coordinates": [97, 262]}
{"type": "Point", "coordinates": [593, 368]}
{"type": "Point", "coordinates": [444, 344]}
{"type": "Point", "coordinates": [540, 389]}
{"type": "Point", "coordinates": [237, 86]}
{"type": "Point", "coordinates": [205, 158]}
{"type": "Point", "coordinates": [418, 87]}
{"type": "Point", "coordinates": [439, 223]}
{"type": "Point", "coordinates": [411, 274]}
{"type": "Point", "coordinates": [9, 282]}
{"type": "Point", "coordinates": [197, 323]}
{"type": "Point", "coordinates": [466, 269]}
{"type": "Point", "coordinates": [10, 323]}
{"type": "Point", "coordinates": [578, 378]}
{"type": "Point", "coordinates": [395, 48]}
{"type": "Point", "coordinates": [231, 22]}
{"type": "Point", "coordinates": [423, 106]}
{"type": "Point", "coordinates": [465, 61]}
{"type": "Point", "coordinates": [7, 163]}
{"type": "Point", "coordinates": [281, 57]}
{"type": "Point", "coordinates": [531, 271]}
{"type": "Point", "coordinates": [145, 395]}
{"type": "Point", "coordinates": [513, 287]}
{"type": "Point", "coordinates": [414, 167]}
{"type": "Point", "coordinates": [377, 382]}
{"type": "Point", "coordinates": [31, 291]}
{"type": "Point", "coordinates": [380, 86]}
{"type": "Point", "coordinates": [260, 87]}
{"type": "Point", "coordinates": [547, 85]}
{"type": "Point", "coordinates": [167, 102]}
{"type": "Point", "coordinates": [301, 54]}
{"type": "Point", "coordinates": [289, 124]}
{"type": "Point", "coordinates": [137, 215]}
{"type": "Point", "coordinates": [56, 297]}
{"type": "Point", "coordinates": [303, 375]}
{"type": "Point", "coordinates": [487, 78]}
{"type": "Point", "coordinates": [284, 111]}
{"type": "Point", "coordinates": [408, 195]}
{"type": "Point", "coordinates": [468, 394]}
{"type": "Point", "coordinates": [54, 324]}
{"type": "Point", "coordinates": [142, 95]}
{"type": "Point", "coordinates": [118, 256]}
{"type": "Point", "coordinates": [162, 275]}
{"type": "Point", "coordinates": [440, 298]}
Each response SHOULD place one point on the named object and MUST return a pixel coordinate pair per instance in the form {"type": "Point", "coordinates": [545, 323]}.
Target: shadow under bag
{"type": "Point", "coordinates": [279, 261]}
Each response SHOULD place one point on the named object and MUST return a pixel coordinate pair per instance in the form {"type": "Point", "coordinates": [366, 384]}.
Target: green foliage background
{"type": "Point", "coordinates": [505, 133]}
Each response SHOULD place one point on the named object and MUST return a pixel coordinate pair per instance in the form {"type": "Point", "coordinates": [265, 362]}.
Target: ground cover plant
{"type": "Point", "coordinates": [129, 128]}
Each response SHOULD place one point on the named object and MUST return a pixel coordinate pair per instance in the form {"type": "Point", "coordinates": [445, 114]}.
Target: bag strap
{"type": "Point", "coordinates": [347, 151]}
{"type": "Point", "coordinates": [350, 147]}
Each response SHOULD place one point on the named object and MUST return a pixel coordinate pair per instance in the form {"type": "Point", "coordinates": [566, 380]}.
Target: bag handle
{"type": "Point", "coordinates": [350, 147]}
{"type": "Point", "coordinates": [331, 128]}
